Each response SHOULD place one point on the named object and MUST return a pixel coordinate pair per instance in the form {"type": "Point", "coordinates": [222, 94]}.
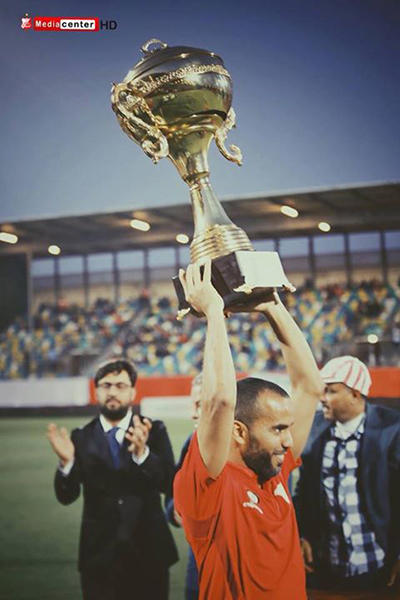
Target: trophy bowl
{"type": "Point", "coordinates": [173, 103]}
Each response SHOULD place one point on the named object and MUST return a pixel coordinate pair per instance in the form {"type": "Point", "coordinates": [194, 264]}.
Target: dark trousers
{"type": "Point", "coordinates": [125, 579]}
{"type": "Point", "coordinates": [192, 578]}
{"type": "Point", "coordinates": [327, 580]}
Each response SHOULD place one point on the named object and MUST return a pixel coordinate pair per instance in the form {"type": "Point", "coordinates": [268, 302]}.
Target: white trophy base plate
{"type": "Point", "coordinates": [262, 269]}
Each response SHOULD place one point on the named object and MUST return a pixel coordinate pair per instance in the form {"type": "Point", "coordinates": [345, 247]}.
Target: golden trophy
{"type": "Point", "coordinates": [173, 103]}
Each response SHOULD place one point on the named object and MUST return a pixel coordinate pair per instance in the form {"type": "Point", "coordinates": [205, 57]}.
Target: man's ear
{"type": "Point", "coordinates": [240, 433]}
{"type": "Point", "coordinates": [356, 396]}
{"type": "Point", "coordinates": [133, 395]}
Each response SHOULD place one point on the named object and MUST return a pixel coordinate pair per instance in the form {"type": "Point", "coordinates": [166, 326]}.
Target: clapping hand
{"type": "Point", "coordinates": [138, 435]}
{"type": "Point", "coordinates": [61, 443]}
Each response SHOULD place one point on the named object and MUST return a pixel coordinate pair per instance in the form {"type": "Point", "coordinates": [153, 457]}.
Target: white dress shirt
{"type": "Point", "coordinates": [345, 430]}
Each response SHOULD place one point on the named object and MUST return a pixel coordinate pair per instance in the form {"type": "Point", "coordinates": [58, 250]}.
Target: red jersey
{"type": "Point", "coordinates": [244, 536]}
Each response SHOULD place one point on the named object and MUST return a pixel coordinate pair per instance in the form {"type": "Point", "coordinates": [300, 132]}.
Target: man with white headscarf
{"type": "Point", "coordinates": [348, 495]}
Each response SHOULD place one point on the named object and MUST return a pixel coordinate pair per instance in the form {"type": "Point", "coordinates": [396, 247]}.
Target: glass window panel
{"type": "Point", "coordinates": [266, 245]}
{"type": "Point", "coordinates": [392, 240]}
{"type": "Point", "coordinates": [162, 257]}
{"type": "Point", "coordinates": [99, 262]}
{"type": "Point", "coordinates": [42, 267]}
{"type": "Point", "coordinates": [294, 247]}
{"type": "Point", "coordinates": [361, 242]}
{"type": "Point", "coordinates": [71, 264]}
{"type": "Point", "coordinates": [131, 259]}
{"type": "Point", "coordinates": [184, 256]}
{"type": "Point", "coordinates": [328, 244]}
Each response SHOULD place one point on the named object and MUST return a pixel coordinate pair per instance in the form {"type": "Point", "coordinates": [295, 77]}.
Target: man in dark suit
{"type": "Point", "coordinates": [348, 495]}
{"type": "Point", "coordinates": [123, 462]}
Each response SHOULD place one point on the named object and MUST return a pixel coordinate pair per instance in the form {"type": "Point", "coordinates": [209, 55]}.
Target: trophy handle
{"type": "Point", "coordinates": [149, 137]}
{"type": "Point", "coordinates": [153, 41]}
{"type": "Point", "coordinates": [234, 153]}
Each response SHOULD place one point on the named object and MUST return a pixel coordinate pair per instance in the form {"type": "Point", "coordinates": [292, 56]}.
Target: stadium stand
{"type": "Point", "coordinates": [59, 330]}
{"type": "Point", "coordinates": [347, 299]}
{"type": "Point", "coordinates": [146, 330]}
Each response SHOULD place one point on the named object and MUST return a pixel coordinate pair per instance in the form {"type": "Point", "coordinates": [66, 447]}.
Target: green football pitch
{"type": "Point", "coordinates": [39, 536]}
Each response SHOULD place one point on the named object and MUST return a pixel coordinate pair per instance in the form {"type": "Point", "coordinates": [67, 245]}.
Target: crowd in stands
{"type": "Point", "coordinates": [147, 331]}
{"type": "Point", "coordinates": [57, 331]}
{"type": "Point", "coordinates": [336, 313]}
{"type": "Point", "coordinates": [159, 344]}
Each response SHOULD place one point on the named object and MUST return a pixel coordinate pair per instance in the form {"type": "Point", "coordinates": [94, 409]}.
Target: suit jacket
{"type": "Point", "coordinates": [378, 482]}
{"type": "Point", "coordinates": [169, 498]}
{"type": "Point", "coordinates": [192, 576]}
{"type": "Point", "coordinates": [122, 507]}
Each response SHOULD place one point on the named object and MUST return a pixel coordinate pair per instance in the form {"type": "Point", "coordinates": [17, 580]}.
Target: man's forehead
{"type": "Point", "coordinates": [335, 385]}
{"type": "Point", "coordinates": [274, 407]}
{"type": "Point", "coordinates": [115, 377]}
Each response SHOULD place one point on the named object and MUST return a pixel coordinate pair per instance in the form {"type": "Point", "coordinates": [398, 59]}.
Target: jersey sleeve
{"type": "Point", "coordinates": [196, 493]}
{"type": "Point", "coordinates": [289, 464]}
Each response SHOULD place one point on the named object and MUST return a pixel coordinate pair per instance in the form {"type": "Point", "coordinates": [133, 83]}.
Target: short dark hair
{"type": "Point", "coordinates": [116, 366]}
{"type": "Point", "coordinates": [249, 389]}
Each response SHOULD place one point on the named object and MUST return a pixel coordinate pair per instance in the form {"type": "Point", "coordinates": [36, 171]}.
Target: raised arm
{"type": "Point", "coordinates": [306, 383]}
{"type": "Point", "coordinates": [218, 397]}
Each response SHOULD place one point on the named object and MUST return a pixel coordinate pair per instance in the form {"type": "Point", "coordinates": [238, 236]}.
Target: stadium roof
{"type": "Point", "coordinates": [364, 207]}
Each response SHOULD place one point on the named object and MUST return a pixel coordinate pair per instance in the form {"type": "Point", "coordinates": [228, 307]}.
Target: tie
{"type": "Point", "coordinates": [114, 447]}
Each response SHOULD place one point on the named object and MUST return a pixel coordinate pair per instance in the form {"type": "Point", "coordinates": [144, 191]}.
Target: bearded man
{"type": "Point", "coordinates": [123, 462]}
{"type": "Point", "coordinates": [231, 491]}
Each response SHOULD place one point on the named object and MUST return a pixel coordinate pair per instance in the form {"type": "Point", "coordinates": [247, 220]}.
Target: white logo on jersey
{"type": "Point", "coordinates": [280, 491]}
{"type": "Point", "coordinates": [254, 500]}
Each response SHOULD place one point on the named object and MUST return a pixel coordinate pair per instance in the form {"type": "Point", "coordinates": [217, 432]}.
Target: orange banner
{"type": "Point", "coordinates": [385, 384]}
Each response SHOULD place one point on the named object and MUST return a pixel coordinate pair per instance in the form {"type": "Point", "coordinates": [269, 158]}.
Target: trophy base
{"type": "Point", "coordinates": [241, 278]}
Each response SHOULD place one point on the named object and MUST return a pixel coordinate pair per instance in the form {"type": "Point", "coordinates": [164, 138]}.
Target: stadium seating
{"type": "Point", "coordinates": [146, 330]}
{"type": "Point", "coordinates": [57, 331]}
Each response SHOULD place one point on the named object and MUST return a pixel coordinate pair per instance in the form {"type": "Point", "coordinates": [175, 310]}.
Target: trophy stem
{"type": "Point", "coordinates": [214, 234]}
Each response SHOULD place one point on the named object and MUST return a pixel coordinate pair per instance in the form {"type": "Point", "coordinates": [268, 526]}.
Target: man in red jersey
{"type": "Point", "coordinates": [232, 489]}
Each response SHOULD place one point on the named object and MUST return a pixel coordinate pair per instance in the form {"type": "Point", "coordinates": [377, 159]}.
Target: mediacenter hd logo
{"type": "Point", "coordinates": [66, 23]}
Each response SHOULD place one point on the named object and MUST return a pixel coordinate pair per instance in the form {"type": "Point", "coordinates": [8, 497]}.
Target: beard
{"type": "Point", "coordinates": [259, 461]}
{"type": "Point", "coordinates": [114, 414]}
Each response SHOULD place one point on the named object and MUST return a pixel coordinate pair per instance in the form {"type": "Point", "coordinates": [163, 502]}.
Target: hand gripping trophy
{"type": "Point", "coordinates": [173, 103]}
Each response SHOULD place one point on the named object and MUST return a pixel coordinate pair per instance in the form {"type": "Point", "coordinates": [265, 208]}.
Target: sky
{"type": "Point", "coordinates": [316, 94]}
